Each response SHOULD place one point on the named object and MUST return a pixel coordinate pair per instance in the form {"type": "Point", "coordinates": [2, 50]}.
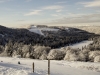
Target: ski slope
{"type": "Point", "coordinates": [10, 66]}
{"type": "Point", "coordinates": [37, 30]}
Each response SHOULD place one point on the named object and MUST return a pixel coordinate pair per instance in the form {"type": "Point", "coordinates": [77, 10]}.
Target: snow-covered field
{"type": "Point", "coordinates": [10, 66]}
{"type": "Point", "coordinates": [81, 44]}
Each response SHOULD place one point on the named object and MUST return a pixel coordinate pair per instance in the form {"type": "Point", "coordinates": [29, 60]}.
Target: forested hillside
{"type": "Point", "coordinates": [52, 39]}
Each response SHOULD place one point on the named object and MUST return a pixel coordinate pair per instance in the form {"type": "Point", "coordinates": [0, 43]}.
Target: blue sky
{"type": "Point", "coordinates": [50, 12]}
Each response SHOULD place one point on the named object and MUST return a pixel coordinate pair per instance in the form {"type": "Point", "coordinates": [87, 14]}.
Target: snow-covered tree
{"type": "Point", "coordinates": [27, 55]}
{"type": "Point", "coordinates": [72, 55]}
{"type": "Point", "coordinates": [93, 54]}
{"type": "Point", "coordinates": [25, 48]}
{"type": "Point", "coordinates": [97, 58]}
{"type": "Point", "coordinates": [56, 54]}
{"type": "Point", "coordinates": [38, 51]}
{"type": "Point", "coordinates": [43, 56]}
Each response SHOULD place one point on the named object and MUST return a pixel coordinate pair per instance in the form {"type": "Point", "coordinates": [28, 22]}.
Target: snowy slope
{"type": "Point", "coordinates": [37, 30]}
{"type": "Point", "coordinates": [81, 44]}
{"type": "Point", "coordinates": [9, 66]}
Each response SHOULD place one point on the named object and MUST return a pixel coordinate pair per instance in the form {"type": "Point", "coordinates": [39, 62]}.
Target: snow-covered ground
{"type": "Point", "coordinates": [39, 30]}
{"type": "Point", "coordinates": [79, 45]}
{"type": "Point", "coordinates": [10, 66]}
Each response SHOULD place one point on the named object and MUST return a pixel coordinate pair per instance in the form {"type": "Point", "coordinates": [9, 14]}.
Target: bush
{"type": "Point", "coordinates": [93, 54]}
{"type": "Point", "coordinates": [71, 56]}
{"type": "Point", "coordinates": [56, 54]}
{"type": "Point", "coordinates": [38, 51]}
{"type": "Point", "coordinates": [43, 57]}
{"type": "Point", "coordinates": [97, 59]}
{"type": "Point", "coordinates": [25, 48]}
{"type": "Point", "coordinates": [4, 54]}
{"type": "Point", "coordinates": [27, 55]}
{"type": "Point", "coordinates": [83, 55]}
{"type": "Point", "coordinates": [65, 49]}
{"type": "Point", "coordinates": [76, 55]}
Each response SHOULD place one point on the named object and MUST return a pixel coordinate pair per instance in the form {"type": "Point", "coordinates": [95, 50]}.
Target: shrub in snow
{"type": "Point", "coordinates": [97, 59]}
{"type": "Point", "coordinates": [43, 57]}
{"type": "Point", "coordinates": [24, 55]}
{"type": "Point", "coordinates": [25, 48]}
{"type": "Point", "coordinates": [38, 51]}
{"type": "Point", "coordinates": [65, 49]}
{"type": "Point", "coordinates": [85, 51]}
{"type": "Point", "coordinates": [14, 53]}
{"type": "Point", "coordinates": [90, 47]}
{"type": "Point", "coordinates": [83, 55]}
{"type": "Point", "coordinates": [56, 54]}
{"type": "Point", "coordinates": [27, 55]}
{"type": "Point", "coordinates": [4, 53]}
{"type": "Point", "coordinates": [72, 55]}
{"type": "Point", "coordinates": [93, 54]}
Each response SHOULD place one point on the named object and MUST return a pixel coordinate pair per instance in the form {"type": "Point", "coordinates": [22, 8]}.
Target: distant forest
{"type": "Point", "coordinates": [52, 39]}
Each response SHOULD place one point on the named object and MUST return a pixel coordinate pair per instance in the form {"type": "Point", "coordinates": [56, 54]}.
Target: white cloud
{"type": "Point", "coordinates": [35, 12]}
{"type": "Point", "coordinates": [56, 8]}
{"type": "Point", "coordinates": [58, 15]}
{"type": "Point", "coordinates": [95, 3]}
{"type": "Point", "coordinates": [53, 7]}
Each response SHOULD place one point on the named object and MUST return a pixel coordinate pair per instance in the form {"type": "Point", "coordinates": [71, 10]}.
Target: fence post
{"type": "Point", "coordinates": [48, 66]}
{"type": "Point", "coordinates": [33, 67]}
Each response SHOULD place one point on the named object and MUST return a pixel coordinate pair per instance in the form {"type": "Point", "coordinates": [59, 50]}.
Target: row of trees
{"type": "Point", "coordinates": [43, 52]}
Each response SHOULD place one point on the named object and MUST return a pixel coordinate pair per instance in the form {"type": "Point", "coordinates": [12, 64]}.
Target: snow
{"type": "Point", "coordinates": [10, 66]}
{"type": "Point", "coordinates": [78, 45]}
{"type": "Point", "coordinates": [39, 30]}
{"type": "Point", "coordinates": [81, 44]}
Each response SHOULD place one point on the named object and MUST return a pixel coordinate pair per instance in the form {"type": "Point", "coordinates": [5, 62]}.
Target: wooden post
{"type": "Point", "coordinates": [33, 67]}
{"type": "Point", "coordinates": [48, 66]}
